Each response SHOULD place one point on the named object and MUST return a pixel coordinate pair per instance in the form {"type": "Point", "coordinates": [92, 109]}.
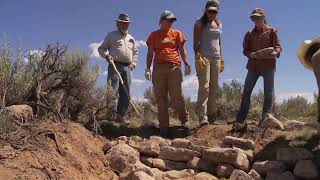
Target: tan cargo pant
{"type": "Point", "coordinates": [208, 88]}
{"type": "Point", "coordinates": [167, 78]}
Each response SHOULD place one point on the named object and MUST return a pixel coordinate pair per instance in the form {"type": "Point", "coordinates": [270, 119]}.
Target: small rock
{"type": "Point", "coordinates": [306, 169]}
{"type": "Point", "coordinates": [227, 156]}
{"type": "Point", "coordinates": [106, 147]}
{"type": "Point", "coordinates": [272, 122]}
{"type": "Point", "coordinates": [157, 174]}
{"type": "Point", "coordinates": [140, 175]}
{"type": "Point", "coordinates": [290, 156]}
{"type": "Point", "coordinates": [241, 143]}
{"type": "Point", "coordinates": [167, 165]}
{"type": "Point", "coordinates": [268, 166]}
{"type": "Point", "coordinates": [239, 175]}
{"type": "Point", "coordinates": [202, 176]}
{"type": "Point", "coordinates": [122, 157]}
{"type": "Point", "coordinates": [291, 125]}
{"type": "Point", "coordinates": [174, 174]}
{"type": "Point", "coordinates": [146, 160]}
{"type": "Point", "coordinates": [160, 140]}
{"type": "Point", "coordinates": [7, 152]}
{"type": "Point", "coordinates": [198, 145]}
{"type": "Point", "coordinates": [122, 138]}
{"type": "Point", "coordinates": [136, 138]}
{"type": "Point", "coordinates": [180, 143]}
{"type": "Point", "coordinates": [272, 175]}
{"type": "Point", "coordinates": [147, 148]}
{"type": "Point", "coordinates": [286, 176]}
{"type": "Point", "coordinates": [224, 170]}
{"type": "Point", "coordinates": [249, 153]}
{"type": "Point", "coordinates": [200, 164]}
{"type": "Point", "coordinates": [255, 175]}
{"type": "Point", "coordinates": [177, 154]}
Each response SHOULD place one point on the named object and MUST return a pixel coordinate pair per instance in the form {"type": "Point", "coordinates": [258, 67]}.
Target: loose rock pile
{"type": "Point", "coordinates": [135, 158]}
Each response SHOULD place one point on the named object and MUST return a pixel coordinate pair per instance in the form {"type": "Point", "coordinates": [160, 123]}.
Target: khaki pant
{"type": "Point", "coordinates": [167, 78]}
{"type": "Point", "coordinates": [315, 60]}
{"type": "Point", "coordinates": [208, 88]}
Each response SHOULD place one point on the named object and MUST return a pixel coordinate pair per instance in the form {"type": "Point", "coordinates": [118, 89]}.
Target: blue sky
{"type": "Point", "coordinates": [82, 24]}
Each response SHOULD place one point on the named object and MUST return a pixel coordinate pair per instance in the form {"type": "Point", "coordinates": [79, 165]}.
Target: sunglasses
{"type": "Point", "coordinates": [212, 11]}
{"type": "Point", "coordinates": [257, 18]}
{"type": "Point", "coordinates": [169, 20]}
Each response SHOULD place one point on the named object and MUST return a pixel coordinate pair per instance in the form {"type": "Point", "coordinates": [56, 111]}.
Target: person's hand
{"type": "Point", "coordinates": [147, 74]}
{"type": "Point", "coordinates": [187, 70]}
{"type": "Point", "coordinates": [109, 58]}
{"type": "Point", "coordinates": [253, 55]}
{"type": "Point", "coordinates": [221, 65]}
{"type": "Point", "coordinates": [132, 66]}
{"type": "Point", "coordinates": [200, 61]}
{"type": "Point", "coordinates": [275, 54]}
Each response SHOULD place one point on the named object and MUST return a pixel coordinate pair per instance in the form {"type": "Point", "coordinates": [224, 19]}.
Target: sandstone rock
{"type": "Point", "coordinates": [286, 176]}
{"type": "Point", "coordinates": [201, 176]}
{"type": "Point", "coordinates": [146, 160]}
{"type": "Point", "coordinates": [174, 174]}
{"type": "Point", "coordinates": [107, 147]}
{"type": "Point", "coordinates": [255, 175]}
{"type": "Point", "coordinates": [177, 154]}
{"type": "Point", "coordinates": [136, 138]}
{"type": "Point", "coordinates": [24, 113]}
{"type": "Point", "coordinates": [239, 175]}
{"type": "Point", "coordinates": [249, 153]}
{"type": "Point", "coordinates": [268, 166]}
{"type": "Point", "coordinates": [291, 155]}
{"type": "Point", "coordinates": [241, 143]}
{"type": "Point", "coordinates": [198, 145]}
{"type": "Point", "coordinates": [158, 174]}
{"type": "Point", "coordinates": [168, 165]}
{"type": "Point", "coordinates": [122, 138]}
{"type": "Point", "coordinates": [140, 175]}
{"type": "Point", "coordinates": [122, 157]}
{"type": "Point", "coordinates": [224, 170]}
{"type": "Point", "coordinates": [180, 143]}
{"type": "Point", "coordinates": [202, 165]}
{"type": "Point", "coordinates": [160, 140]}
{"type": "Point", "coordinates": [147, 148]}
{"type": "Point", "coordinates": [291, 125]}
{"type": "Point", "coordinates": [8, 152]}
{"type": "Point", "coordinates": [272, 122]}
{"type": "Point", "coordinates": [227, 156]}
{"type": "Point", "coordinates": [306, 169]}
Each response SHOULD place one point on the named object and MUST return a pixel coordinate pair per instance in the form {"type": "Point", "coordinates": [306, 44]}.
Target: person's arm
{"type": "Point", "coordinates": [150, 55]}
{"type": "Point", "coordinates": [134, 56]}
{"type": "Point", "coordinates": [196, 37]}
{"type": "Point", "coordinates": [276, 42]}
{"type": "Point", "coordinates": [104, 47]}
{"type": "Point", "coordinates": [183, 54]}
{"type": "Point", "coordinates": [246, 49]}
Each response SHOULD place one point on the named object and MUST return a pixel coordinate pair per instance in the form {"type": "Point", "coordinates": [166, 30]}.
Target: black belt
{"type": "Point", "coordinates": [122, 63]}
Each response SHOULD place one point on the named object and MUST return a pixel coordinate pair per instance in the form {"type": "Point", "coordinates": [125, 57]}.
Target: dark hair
{"type": "Point", "coordinates": [204, 18]}
{"type": "Point", "coordinates": [312, 50]}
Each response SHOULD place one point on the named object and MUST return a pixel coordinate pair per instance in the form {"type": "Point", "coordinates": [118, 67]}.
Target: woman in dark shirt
{"type": "Point", "coordinates": [262, 46]}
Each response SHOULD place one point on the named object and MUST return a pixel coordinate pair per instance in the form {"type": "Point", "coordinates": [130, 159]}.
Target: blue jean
{"type": "Point", "coordinates": [251, 80]}
{"type": "Point", "coordinates": [114, 81]}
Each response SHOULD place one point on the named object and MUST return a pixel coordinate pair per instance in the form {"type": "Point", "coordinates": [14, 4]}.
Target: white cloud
{"type": "Point", "coordinates": [190, 83]}
{"type": "Point", "coordinates": [283, 96]}
{"type": "Point", "coordinates": [141, 43]}
{"type": "Point", "coordinates": [104, 73]}
{"type": "Point", "coordinates": [138, 81]}
{"type": "Point", "coordinates": [94, 50]}
{"type": "Point", "coordinates": [33, 53]}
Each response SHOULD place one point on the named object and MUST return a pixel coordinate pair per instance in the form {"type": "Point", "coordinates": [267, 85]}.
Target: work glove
{"type": "Point", "coordinates": [221, 65]}
{"type": "Point", "coordinates": [200, 62]}
{"type": "Point", "coordinates": [147, 74]}
{"type": "Point", "coordinates": [187, 70]}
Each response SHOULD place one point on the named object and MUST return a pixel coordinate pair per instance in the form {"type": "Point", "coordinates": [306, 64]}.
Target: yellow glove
{"type": "Point", "coordinates": [221, 65]}
{"type": "Point", "coordinates": [200, 62]}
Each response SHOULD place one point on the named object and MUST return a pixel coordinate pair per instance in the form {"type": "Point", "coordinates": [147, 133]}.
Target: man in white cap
{"type": "Point", "coordinates": [119, 47]}
{"type": "Point", "coordinates": [309, 55]}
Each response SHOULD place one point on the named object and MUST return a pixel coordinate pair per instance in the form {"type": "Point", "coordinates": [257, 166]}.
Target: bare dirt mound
{"type": "Point", "coordinates": [53, 151]}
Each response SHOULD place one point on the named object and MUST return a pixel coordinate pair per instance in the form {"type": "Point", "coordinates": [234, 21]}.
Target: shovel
{"type": "Point", "coordinates": [126, 90]}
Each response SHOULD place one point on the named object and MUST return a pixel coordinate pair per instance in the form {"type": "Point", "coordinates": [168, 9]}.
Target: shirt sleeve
{"type": "Point", "coordinates": [104, 47]}
{"type": "Point", "coordinates": [151, 40]}
{"type": "Point", "coordinates": [276, 42]}
{"type": "Point", "coordinates": [246, 49]}
{"type": "Point", "coordinates": [134, 53]}
{"type": "Point", "coordinates": [181, 39]}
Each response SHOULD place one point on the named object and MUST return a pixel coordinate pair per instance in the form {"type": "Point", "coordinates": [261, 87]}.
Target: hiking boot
{"type": "Point", "coordinates": [239, 127]}
{"type": "Point", "coordinates": [203, 122]}
{"type": "Point", "coordinates": [164, 132]}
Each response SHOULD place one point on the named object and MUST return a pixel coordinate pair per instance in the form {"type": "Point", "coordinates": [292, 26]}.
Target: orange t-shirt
{"type": "Point", "coordinates": [166, 45]}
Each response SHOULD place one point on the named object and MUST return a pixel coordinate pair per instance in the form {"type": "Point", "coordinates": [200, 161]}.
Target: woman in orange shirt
{"type": "Point", "coordinates": [164, 49]}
